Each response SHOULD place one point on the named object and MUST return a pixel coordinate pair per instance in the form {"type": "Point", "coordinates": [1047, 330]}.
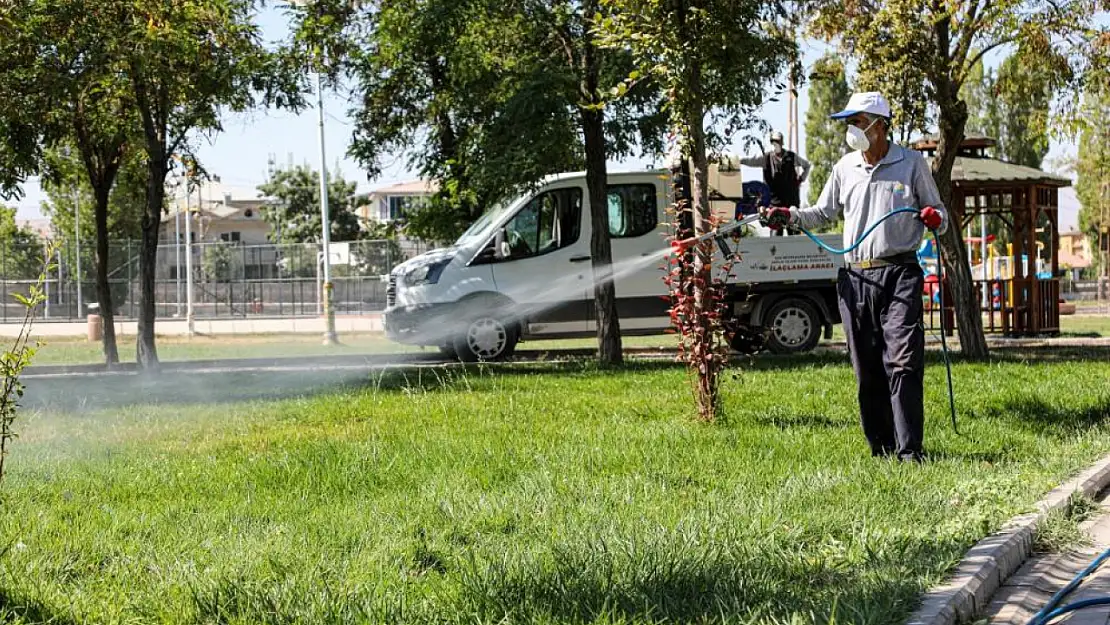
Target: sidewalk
{"type": "Point", "coordinates": [178, 327]}
{"type": "Point", "coordinates": [1030, 588]}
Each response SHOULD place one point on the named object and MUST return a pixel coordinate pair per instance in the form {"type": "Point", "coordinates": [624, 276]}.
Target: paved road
{"type": "Point", "coordinates": [1030, 588]}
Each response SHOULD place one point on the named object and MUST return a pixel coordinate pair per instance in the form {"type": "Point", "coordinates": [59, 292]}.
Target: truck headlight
{"type": "Point", "coordinates": [428, 273]}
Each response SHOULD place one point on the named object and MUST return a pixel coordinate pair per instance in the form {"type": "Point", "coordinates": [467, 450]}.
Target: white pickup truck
{"type": "Point", "coordinates": [523, 271]}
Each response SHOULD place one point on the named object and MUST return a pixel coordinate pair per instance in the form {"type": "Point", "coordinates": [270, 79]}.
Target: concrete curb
{"type": "Point", "coordinates": [987, 565]}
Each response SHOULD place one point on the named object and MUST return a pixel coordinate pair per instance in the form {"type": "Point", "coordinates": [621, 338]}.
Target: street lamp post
{"type": "Point", "coordinates": [177, 247]}
{"type": "Point", "coordinates": [189, 319]}
{"type": "Point", "coordinates": [329, 310]}
{"type": "Point", "coordinates": [77, 241]}
{"type": "Point", "coordinates": [330, 337]}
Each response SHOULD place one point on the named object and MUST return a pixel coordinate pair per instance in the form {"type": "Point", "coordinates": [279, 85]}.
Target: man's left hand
{"type": "Point", "coordinates": [930, 217]}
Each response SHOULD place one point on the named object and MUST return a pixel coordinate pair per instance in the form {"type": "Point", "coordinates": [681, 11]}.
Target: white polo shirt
{"type": "Point", "coordinates": [864, 193]}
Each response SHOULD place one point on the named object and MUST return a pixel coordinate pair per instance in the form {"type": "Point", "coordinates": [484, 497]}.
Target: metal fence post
{"type": "Point", "coordinates": [4, 270]}
{"type": "Point", "coordinates": [130, 281]}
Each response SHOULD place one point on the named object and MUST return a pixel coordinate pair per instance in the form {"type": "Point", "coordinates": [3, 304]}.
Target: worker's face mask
{"type": "Point", "coordinates": [857, 137]}
{"type": "Point", "coordinates": [777, 147]}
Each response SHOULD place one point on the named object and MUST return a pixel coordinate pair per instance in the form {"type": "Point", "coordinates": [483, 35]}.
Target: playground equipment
{"type": "Point", "coordinates": [996, 270]}
{"type": "Point", "coordinates": [1015, 282]}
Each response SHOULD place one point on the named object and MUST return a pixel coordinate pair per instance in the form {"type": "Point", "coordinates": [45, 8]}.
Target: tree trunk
{"type": "Point", "coordinates": [103, 287]}
{"type": "Point", "coordinates": [703, 253]}
{"type": "Point", "coordinates": [609, 351]}
{"type": "Point", "coordinates": [969, 320]}
{"type": "Point", "coordinates": [448, 144]}
{"type": "Point", "coordinates": [146, 352]}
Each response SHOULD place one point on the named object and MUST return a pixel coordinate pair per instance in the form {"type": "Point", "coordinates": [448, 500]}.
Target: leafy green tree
{"type": "Point", "coordinates": [614, 107]}
{"type": "Point", "coordinates": [1025, 88]}
{"type": "Point", "coordinates": [22, 251]}
{"type": "Point", "coordinates": [188, 63]}
{"type": "Point", "coordinates": [222, 262]}
{"type": "Point", "coordinates": [984, 115]}
{"type": "Point", "coordinates": [828, 91]}
{"type": "Point", "coordinates": [293, 206]}
{"type": "Point", "coordinates": [920, 53]}
{"type": "Point", "coordinates": [434, 79]}
{"type": "Point", "coordinates": [504, 94]}
{"type": "Point", "coordinates": [65, 83]}
{"type": "Point", "coordinates": [707, 56]}
{"type": "Point", "coordinates": [1093, 169]}
{"type": "Point", "coordinates": [1013, 107]}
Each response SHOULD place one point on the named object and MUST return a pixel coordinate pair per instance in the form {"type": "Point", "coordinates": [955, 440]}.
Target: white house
{"type": "Point", "coordinates": [389, 203]}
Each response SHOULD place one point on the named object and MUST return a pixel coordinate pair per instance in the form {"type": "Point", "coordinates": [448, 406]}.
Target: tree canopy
{"type": "Point", "coordinates": [921, 53]}
{"type": "Point", "coordinates": [828, 93]}
{"type": "Point", "coordinates": [292, 209]}
{"type": "Point", "coordinates": [481, 96]}
{"type": "Point", "coordinates": [1013, 106]}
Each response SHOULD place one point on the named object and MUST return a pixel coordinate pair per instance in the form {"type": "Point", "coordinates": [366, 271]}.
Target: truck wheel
{"type": "Point", "coordinates": [793, 325]}
{"type": "Point", "coordinates": [486, 338]}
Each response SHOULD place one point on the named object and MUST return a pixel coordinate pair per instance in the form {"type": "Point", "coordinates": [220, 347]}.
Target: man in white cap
{"type": "Point", "coordinates": [881, 284]}
{"type": "Point", "coordinates": [783, 172]}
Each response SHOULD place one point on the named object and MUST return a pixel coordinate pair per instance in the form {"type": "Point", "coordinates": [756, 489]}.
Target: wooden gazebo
{"type": "Point", "coordinates": [1018, 290]}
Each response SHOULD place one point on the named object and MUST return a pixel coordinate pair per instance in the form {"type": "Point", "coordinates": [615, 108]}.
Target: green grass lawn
{"type": "Point", "coordinates": [55, 351]}
{"type": "Point", "coordinates": [1085, 324]}
{"type": "Point", "coordinates": [532, 494]}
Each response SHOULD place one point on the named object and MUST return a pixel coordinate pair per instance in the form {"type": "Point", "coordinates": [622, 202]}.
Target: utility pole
{"type": "Point", "coordinates": [177, 245]}
{"type": "Point", "coordinates": [329, 311]}
{"type": "Point", "coordinates": [189, 320]}
{"type": "Point", "coordinates": [77, 241]}
{"type": "Point", "coordinates": [330, 337]}
{"type": "Point", "coordinates": [1105, 245]}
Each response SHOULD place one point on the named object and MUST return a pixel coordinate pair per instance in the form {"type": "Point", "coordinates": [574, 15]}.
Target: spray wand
{"type": "Point", "coordinates": [678, 247]}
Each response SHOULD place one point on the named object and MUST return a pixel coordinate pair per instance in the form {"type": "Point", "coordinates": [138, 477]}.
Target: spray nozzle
{"type": "Point", "coordinates": [679, 246]}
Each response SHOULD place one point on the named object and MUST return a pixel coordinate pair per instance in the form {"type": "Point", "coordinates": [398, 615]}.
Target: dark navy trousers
{"type": "Point", "coordinates": [881, 309]}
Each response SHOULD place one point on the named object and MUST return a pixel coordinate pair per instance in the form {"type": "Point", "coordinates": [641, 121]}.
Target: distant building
{"type": "Point", "coordinates": [225, 215]}
{"type": "Point", "coordinates": [41, 227]}
{"type": "Point", "coordinates": [1076, 252]}
{"type": "Point", "coordinates": [390, 203]}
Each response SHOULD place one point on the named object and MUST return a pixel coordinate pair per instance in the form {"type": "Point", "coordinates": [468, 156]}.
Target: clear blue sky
{"type": "Point", "coordinates": [239, 155]}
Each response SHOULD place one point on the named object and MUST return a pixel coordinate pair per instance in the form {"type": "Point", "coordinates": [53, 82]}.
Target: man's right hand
{"type": "Point", "coordinates": [776, 218]}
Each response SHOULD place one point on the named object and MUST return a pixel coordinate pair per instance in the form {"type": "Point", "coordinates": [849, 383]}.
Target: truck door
{"type": "Point", "coordinates": [636, 234]}
{"type": "Point", "coordinates": [548, 267]}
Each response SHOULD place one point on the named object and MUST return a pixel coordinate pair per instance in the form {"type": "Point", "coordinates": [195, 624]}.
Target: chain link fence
{"type": "Point", "coordinates": [230, 279]}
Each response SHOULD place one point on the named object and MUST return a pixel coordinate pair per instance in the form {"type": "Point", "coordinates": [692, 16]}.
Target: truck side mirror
{"type": "Point", "coordinates": [500, 245]}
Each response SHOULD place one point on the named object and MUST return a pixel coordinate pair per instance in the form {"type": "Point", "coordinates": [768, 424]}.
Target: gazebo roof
{"type": "Point", "coordinates": [972, 141]}
{"type": "Point", "coordinates": [974, 167]}
{"type": "Point", "coordinates": [968, 169]}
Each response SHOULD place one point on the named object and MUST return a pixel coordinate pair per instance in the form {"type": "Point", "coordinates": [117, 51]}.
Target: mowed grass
{"type": "Point", "coordinates": [1098, 325]}
{"type": "Point", "coordinates": [530, 494]}
{"type": "Point", "coordinates": [67, 350]}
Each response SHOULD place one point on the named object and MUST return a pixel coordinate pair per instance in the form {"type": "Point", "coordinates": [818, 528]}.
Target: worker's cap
{"type": "Point", "coordinates": [776, 137]}
{"type": "Point", "coordinates": [871, 102]}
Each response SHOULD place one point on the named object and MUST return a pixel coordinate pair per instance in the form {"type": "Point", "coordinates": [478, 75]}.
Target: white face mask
{"type": "Point", "coordinates": [857, 138]}
{"type": "Point", "coordinates": [777, 148]}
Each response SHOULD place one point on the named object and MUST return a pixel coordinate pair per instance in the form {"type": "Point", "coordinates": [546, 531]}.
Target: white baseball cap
{"type": "Point", "coordinates": [868, 102]}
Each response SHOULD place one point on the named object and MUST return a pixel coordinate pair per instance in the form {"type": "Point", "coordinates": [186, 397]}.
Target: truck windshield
{"type": "Point", "coordinates": [480, 229]}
